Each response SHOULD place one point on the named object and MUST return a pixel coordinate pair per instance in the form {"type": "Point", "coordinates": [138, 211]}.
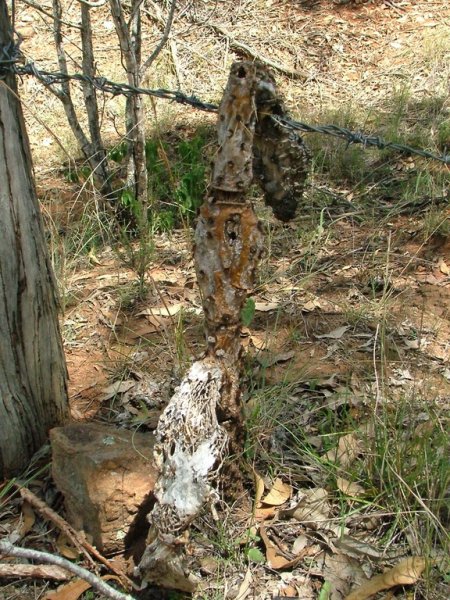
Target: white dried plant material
{"type": "Point", "coordinates": [190, 448]}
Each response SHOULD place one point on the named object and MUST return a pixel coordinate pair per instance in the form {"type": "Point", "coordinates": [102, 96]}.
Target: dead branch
{"type": "Point", "coordinates": [46, 11]}
{"type": "Point", "coordinates": [34, 571]}
{"type": "Point", "coordinates": [77, 540]}
{"type": "Point", "coordinates": [91, 104]}
{"type": "Point", "coordinates": [97, 4]}
{"type": "Point", "coordinates": [8, 549]}
{"type": "Point", "coordinates": [251, 52]}
{"type": "Point", "coordinates": [130, 48]}
{"type": "Point", "coordinates": [157, 17]}
{"type": "Point", "coordinates": [64, 94]}
{"type": "Point", "coordinates": [50, 515]}
{"type": "Point", "coordinates": [91, 148]}
{"type": "Point", "coordinates": [162, 43]}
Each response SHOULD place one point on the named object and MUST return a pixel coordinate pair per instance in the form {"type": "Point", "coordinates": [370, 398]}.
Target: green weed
{"type": "Point", "coordinates": [176, 180]}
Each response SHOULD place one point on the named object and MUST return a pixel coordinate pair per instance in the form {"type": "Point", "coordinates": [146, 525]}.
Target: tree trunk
{"type": "Point", "coordinates": [129, 35]}
{"type": "Point", "coordinates": [33, 396]}
{"type": "Point", "coordinates": [99, 158]}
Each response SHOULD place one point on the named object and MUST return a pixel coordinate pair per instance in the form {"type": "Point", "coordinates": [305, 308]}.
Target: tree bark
{"type": "Point", "coordinates": [203, 421]}
{"type": "Point", "coordinates": [129, 36]}
{"type": "Point", "coordinates": [99, 159]}
{"type": "Point", "coordinates": [33, 396]}
{"type": "Point", "coordinates": [91, 147]}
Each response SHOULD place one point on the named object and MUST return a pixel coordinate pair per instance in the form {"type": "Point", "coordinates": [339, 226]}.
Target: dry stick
{"type": "Point", "coordinates": [93, 4]}
{"type": "Point", "coordinates": [9, 549]}
{"type": "Point", "coordinates": [156, 16]}
{"type": "Point", "coordinates": [91, 104]}
{"type": "Point", "coordinates": [52, 516]}
{"type": "Point", "coordinates": [130, 50]}
{"type": "Point", "coordinates": [81, 544]}
{"type": "Point", "coordinates": [34, 571]}
{"type": "Point", "coordinates": [47, 13]}
{"type": "Point", "coordinates": [64, 93]}
{"type": "Point", "coordinates": [163, 40]}
{"type": "Point", "coordinates": [176, 66]}
{"type": "Point", "coordinates": [237, 45]}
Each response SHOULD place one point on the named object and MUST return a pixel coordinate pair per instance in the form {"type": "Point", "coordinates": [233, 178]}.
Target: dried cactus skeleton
{"type": "Point", "coordinates": [203, 420]}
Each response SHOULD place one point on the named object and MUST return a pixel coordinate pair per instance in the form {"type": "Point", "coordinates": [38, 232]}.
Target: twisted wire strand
{"type": "Point", "coordinates": [10, 57]}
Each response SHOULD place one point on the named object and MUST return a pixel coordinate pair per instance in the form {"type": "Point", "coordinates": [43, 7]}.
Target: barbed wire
{"type": "Point", "coordinates": [9, 63]}
{"type": "Point", "coordinates": [356, 137]}
{"type": "Point", "coordinates": [48, 78]}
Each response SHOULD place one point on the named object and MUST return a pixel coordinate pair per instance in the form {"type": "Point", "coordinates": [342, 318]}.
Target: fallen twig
{"type": "Point", "coordinates": [156, 16]}
{"type": "Point", "coordinates": [9, 549]}
{"type": "Point", "coordinates": [47, 13]}
{"type": "Point", "coordinates": [34, 571]}
{"type": "Point", "coordinates": [82, 545]}
{"type": "Point", "coordinates": [50, 515]}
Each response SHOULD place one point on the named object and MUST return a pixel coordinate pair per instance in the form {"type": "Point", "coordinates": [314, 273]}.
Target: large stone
{"type": "Point", "coordinates": [107, 476]}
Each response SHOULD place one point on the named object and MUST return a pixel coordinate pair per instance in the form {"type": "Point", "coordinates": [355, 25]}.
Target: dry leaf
{"type": "Point", "coordinates": [340, 572]}
{"type": "Point", "coordinates": [356, 548]}
{"type": "Point", "coordinates": [162, 311]}
{"type": "Point", "coordinates": [259, 487]}
{"type": "Point", "coordinates": [261, 514]}
{"type": "Point", "coordinates": [314, 511]}
{"type": "Point", "coordinates": [313, 508]}
{"type": "Point", "coordinates": [209, 564]}
{"type": "Point", "coordinates": [412, 344]}
{"type": "Point", "coordinates": [259, 341]}
{"type": "Point", "coordinates": [244, 588]}
{"type": "Point", "coordinates": [118, 387]}
{"type": "Point", "coordinates": [273, 359]}
{"type": "Point", "coordinates": [349, 447]}
{"type": "Point", "coordinates": [266, 306]}
{"type": "Point", "coordinates": [66, 548]}
{"type": "Point", "coordinates": [443, 267]}
{"type": "Point", "coordinates": [147, 327]}
{"type": "Point", "coordinates": [279, 493]}
{"type": "Point", "coordinates": [275, 558]}
{"type": "Point", "coordinates": [336, 334]}
{"type": "Point", "coordinates": [28, 519]}
{"type": "Point", "coordinates": [92, 258]}
{"type": "Point", "coordinates": [350, 488]}
{"type": "Point", "coordinates": [69, 591]}
{"type": "Point", "coordinates": [311, 305]}
{"type": "Point", "coordinates": [406, 572]}
{"type": "Point", "coordinates": [299, 544]}
{"type": "Point", "coordinates": [288, 591]}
